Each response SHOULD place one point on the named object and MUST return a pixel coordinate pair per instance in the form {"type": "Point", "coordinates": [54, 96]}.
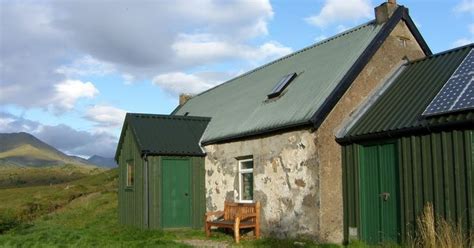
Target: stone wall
{"type": "Point", "coordinates": [285, 180]}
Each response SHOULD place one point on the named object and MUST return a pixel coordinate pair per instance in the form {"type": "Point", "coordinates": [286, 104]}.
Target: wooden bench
{"type": "Point", "coordinates": [235, 216]}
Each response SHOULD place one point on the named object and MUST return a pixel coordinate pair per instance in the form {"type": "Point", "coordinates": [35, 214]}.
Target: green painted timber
{"type": "Point", "coordinates": [435, 168]}
{"type": "Point", "coordinates": [379, 193]}
{"type": "Point", "coordinates": [131, 202]}
{"type": "Point", "coordinates": [176, 193]}
{"type": "Point", "coordinates": [369, 191]}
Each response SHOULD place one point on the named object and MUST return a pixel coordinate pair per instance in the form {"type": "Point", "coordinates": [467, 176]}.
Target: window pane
{"type": "Point", "coordinates": [246, 164]}
{"type": "Point", "coordinates": [247, 186]}
{"type": "Point", "coordinates": [130, 176]}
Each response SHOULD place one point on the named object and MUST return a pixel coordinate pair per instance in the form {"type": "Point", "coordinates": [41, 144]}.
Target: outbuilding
{"type": "Point", "coordinates": [161, 171]}
{"type": "Point", "coordinates": [410, 144]}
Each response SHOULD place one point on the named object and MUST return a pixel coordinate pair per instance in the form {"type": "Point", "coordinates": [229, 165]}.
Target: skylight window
{"type": "Point", "coordinates": [281, 85]}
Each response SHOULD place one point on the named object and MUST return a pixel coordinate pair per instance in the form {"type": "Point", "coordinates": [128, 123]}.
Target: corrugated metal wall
{"type": "Point", "coordinates": [435, 168]}
{"type": "Point", "coordinates": [131, 200]}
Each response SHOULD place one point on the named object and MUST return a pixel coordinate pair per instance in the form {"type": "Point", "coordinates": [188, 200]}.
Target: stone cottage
{"type": "Point", "coordinates": [272, 132]}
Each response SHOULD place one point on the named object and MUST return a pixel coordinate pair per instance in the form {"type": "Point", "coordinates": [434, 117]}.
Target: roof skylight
{"type": "Point", "coordinates": [281, 85]}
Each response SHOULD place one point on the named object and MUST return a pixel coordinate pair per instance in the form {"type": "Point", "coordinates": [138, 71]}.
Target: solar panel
{"type": "Point", "coordinates": [457, 93]}
{"type": "Point", "coordinates": [281, 85]}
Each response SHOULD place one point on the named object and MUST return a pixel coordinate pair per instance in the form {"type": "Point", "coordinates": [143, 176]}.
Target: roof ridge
{"type": "Point", "coordinates": [164, 116]}
{"type": "Point", "coordinates": [338, 35]}
{"type": "Point", "coordinates": [436, 55]}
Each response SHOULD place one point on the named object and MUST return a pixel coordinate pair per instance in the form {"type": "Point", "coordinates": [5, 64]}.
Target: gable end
{"type": "Point", "coordinates": [400, 14]}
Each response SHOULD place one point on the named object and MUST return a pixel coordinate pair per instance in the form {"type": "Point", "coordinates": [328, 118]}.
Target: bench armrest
{"type": "Point", "coordinates": [217, 214]}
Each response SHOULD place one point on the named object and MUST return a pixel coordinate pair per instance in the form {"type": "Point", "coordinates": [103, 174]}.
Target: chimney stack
{"type": "Point", "coordinates": [384, 11]}
{"type": "Point", "coordinates": [183, 98]}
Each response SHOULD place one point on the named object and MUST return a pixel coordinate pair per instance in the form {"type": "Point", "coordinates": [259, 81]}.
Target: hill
{"type": "Point", "coordinates": [13, 176]}
{"type": "Point", "coordinates": [23, 149]}
{"type": "Point", "coordinates": [102, 162]}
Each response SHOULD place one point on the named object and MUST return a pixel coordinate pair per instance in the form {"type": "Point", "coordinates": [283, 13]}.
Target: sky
{"type": "Point", "coordinates": [70, 70]}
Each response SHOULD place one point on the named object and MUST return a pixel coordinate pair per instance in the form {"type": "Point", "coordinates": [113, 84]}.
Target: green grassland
{"type": "Point", "coordinates": [12, 176]}
{"type": "Point", "coordinates": [83, 213]}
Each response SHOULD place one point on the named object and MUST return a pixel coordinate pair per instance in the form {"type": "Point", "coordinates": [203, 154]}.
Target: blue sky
{"type": "Point", "coordinates": [71, 69]}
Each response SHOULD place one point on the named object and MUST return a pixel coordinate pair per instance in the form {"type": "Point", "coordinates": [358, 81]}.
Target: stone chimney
{"type": "Point", "coordinates": [183, 98]}
{"type": "Point", "coordinates": [384, 11]}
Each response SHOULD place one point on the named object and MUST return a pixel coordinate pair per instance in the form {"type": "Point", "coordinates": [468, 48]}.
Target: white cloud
{"type": "Point", "coordinates": [465, 6]}
{"type": "Point", "coordinates": [128, 78]}
{"type": "Point", "coordinates": [208, 48]}
{"type": "Point", "coordinates": [106, 116]}
{"type": "Point", "coordinates": [335, 11]}
{"type": "Point", "coordinates": [341, 28]}
{"type": "Point", "coordinates": [179, 82]}
{"type": "Point", "coordinates": [86, 66]}
{"type": "Point", "coordinates": [320, 38]}
{"type": "Point", "coordinates": [61, 40]}
{"type": "Point", "coordinates": [462, 42]}
{"type": "Point", "coordinates": [69, 91]}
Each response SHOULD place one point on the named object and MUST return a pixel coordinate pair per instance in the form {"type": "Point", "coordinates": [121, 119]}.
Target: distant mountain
{"type": "Point", "coordinates": [102, 162]}
{"type": "Point", "coordinates": [24, 149]}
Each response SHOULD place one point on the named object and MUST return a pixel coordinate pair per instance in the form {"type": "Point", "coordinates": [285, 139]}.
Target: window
{"type": "Point", "coordinates": [281, 85]}
{"type": "Point", "coordinates": [130, 173]}
{"type": "Point", "coordinates": [246, 180]}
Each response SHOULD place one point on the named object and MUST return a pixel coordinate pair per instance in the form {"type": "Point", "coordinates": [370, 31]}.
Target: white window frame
{"type": "Point", "coordinates": [244, 171]}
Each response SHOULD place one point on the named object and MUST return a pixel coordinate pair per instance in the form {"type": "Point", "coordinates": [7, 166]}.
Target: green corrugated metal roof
{"type": "Point", "coordinates": [165, 134]}
{"type": "Point", "coordinates": [240, 106]}
{"type": "Point", "coordinates": [400, 107]}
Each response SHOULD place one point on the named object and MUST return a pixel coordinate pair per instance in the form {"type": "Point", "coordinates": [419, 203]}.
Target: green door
{"type": "Point", "coordinates": [176, 193]}
{"type": "Point", "coordinates": [379, 196]}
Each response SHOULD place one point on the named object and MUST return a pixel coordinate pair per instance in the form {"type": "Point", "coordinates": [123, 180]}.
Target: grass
{"type": "Point", "coordinates": [83, 213]}
{"type": "Point", "coordinates": [434, 231]}
{"type": "Point", "coordinates": [23, 205]}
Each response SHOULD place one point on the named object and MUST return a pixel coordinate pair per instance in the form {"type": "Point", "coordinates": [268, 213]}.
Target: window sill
{"type": "Point", "coordinates": [245, 201]}
{"type": "Point", "coordinates": [129, 188]}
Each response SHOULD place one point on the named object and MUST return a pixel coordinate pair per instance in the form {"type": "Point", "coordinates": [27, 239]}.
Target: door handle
{"type": "Point", "coordinates": [186, 194]}
{"type": "Point", "coordinates": [385, 196]}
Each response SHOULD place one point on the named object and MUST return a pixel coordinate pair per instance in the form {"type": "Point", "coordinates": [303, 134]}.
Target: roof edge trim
{"type": "Point", "coordinates": [255, 133]}
{"type": "Point", "coordinates": [416, 33]}
{"type": "Point", "coordinates": [455, 49]}
{"type": "Point", "coordinates": [425, 129]}
{"type": "Point", "coordinates": [122, 137]}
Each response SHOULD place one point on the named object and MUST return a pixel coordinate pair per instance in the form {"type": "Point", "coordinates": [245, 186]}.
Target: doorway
{"type": "Point", "coordinates": [379, 193]}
